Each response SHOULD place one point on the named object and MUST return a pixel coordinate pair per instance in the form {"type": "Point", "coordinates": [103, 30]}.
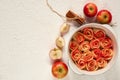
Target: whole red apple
{"type": "Point", "coordinates": [90, 9]}
{"type": "Point", "coordinates": [104, 17]}
{"type": "Point", "coordinates": [59, 69]}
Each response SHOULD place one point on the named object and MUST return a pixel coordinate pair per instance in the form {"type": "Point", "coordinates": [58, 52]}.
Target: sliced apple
{"type": "Point", "coordinates": [55, 54]}
{"type": "Point", "coordinates": [60, 42]}
{"type": "Point", "coordinates": [64, 29]}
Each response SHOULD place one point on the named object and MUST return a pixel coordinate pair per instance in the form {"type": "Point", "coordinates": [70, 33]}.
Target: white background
{"type": "Point", "coordinates": [28, 30]}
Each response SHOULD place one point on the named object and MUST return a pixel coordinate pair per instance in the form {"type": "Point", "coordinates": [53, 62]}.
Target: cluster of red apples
{"type": "Point", "coordinates": [103, 16]}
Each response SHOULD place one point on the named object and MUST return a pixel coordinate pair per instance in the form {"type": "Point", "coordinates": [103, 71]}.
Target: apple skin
{"type": "Point", "coordinates": [104, 17]}
{"type": "Point", "coordinates": [59, 69]}
{"type": "Point", "coordinates": [90, 9]}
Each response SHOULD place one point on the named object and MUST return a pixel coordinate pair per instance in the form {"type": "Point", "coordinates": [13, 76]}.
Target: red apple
{"type": "Point", "coordinates": [59, 69]}
{"type": "Point", "coordinates": [90, 9]}
{"type": "Point", "coordinates": [104, 17]}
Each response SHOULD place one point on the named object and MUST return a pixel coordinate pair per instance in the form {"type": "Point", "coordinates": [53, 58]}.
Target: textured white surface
{"type": "Point", "coordinates": [28, 30]}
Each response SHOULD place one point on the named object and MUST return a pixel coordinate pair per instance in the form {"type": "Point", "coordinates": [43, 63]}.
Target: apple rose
{"type": "Point", "coordinates": [84, 46]}
{"type": "Point", "coordinates": [78, 37]}
{"type": "Point", "coordinates": [98, 33]}
{"type": "Point", "coordinates": [81, 64]}
{"type": "Point", "coordinates": [106, 43]}
{"type": "Point", "coordinates": [97, 53]}
{"type": "Point", "coordinates": [95, 43]}
{"type": "Point", "coordinates": [92, 65]}
{"type": "Point", "coordinates": [88, 56]}
{"type": "Point", "coordinates": [73, 45]}
{"type": "Point", "coordinates": [101, 62]}
{"type": "Point", "coordinates": [107, 53]}
{"type": "Point", "coordinates": [75, 54]}
{"type": "Point", "coordinates": [88, 33]}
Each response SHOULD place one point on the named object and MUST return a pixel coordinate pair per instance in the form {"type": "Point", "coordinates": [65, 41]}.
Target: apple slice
{"type": "Point", "coordinates": [64, 28]}
{"type": "Point", "coordinates": [59, 70]}
{"type": "Point", "coordinates": [60, 42]}
{"type": "Point", "coordinates": [56, 54]}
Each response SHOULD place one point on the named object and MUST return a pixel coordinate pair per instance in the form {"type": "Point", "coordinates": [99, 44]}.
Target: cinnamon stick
{"type": "Point", "coordinates": [75, 17]}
